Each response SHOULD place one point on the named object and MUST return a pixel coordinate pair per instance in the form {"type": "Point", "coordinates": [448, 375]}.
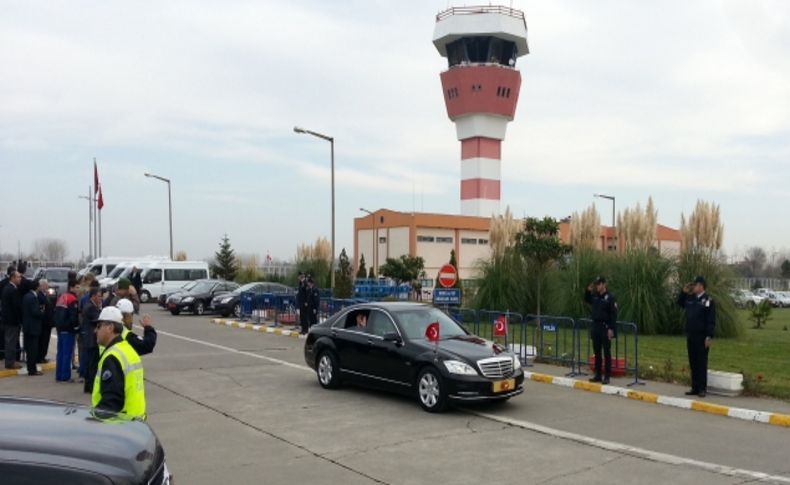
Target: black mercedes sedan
{"type": "Point", "coordinates": [198, 298]}
{"type": "Point", "coordinates": [54, 443]}
{"type": "Point", "coordinates": [383, 345]}
{"type": "Point", "coordinates": [228, 303]}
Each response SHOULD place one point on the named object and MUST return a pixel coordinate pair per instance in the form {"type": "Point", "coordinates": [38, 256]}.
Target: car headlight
{"type": "Point", "coordinates": [50, 291]}
{"type": "Point", "coordinates": [516, 363]}
{"type": "Point", "coordinates": [188, 299]}
{"type": "Point", "coordinates": [226, 300]}
{"type": "Point", "coordinates": [458, 367]}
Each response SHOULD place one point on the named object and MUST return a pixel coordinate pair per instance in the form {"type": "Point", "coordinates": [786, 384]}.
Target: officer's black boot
{"type": "Point", "coordinates": [597, 378]}
{"type": "Point", "coordinates": [605, 380]}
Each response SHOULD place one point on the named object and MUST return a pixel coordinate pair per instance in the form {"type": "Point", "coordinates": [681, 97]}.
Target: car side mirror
{"type": "Point", "coordinates": [392, 337]}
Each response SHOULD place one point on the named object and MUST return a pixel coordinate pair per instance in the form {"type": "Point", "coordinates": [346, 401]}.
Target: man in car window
{"type": "Point", "coordinates": [362, 321]}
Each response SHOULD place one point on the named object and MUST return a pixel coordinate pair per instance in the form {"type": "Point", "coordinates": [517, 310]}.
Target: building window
{"type": "Point", "coordinates": [444, 240]}
{"type": "Point", "coordinates": [425, 239]}
{"type": "Point", "coordinates": [468, 240]}
{"type": "Point", "coordinates": [382, 240]}
{"type": "Point", "coordinates": [482, 241]}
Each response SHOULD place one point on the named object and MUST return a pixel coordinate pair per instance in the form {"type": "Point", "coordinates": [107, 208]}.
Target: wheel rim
{"type": "Point", "coordinates": [199, 309]}
{"type": "Point", "coordinates": [325, 370]}
{"type": "Point", "coordinates": [237, 311]}
{"type": "Point", "coordinates": [144, 297]}
{"type": "Point", "coordinates": [429, 390]}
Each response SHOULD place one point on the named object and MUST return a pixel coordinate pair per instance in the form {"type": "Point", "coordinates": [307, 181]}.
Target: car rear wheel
{"type": "Point", "coordinates": [327, 370]}
{"type": "Point", "coordinates": [175, 312]}
{"type": "Point", "coordinates": [145, 297]}
{"type": "Point", "coordinates": [200, 309]}
{"type": "Point", "coordinates": [430, 391]}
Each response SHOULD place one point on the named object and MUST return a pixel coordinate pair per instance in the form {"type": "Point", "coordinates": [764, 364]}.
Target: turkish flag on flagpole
{"type": "Point", "coordinates": [100, 200]}
{"type": "Point", "coordinates": [95, 177]}
{"type": "Point", "coordinates": [432, 332]}
{"type": "Point", "coordinates": [500, 326]}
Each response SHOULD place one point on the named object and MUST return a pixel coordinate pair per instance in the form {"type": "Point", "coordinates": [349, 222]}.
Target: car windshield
{"type": "Point", "coordinates": [116, 272]}
{"type": "Point", "coordinates": [188, 286]}
{"type": "Point", "coordinates": [248, 287]}
{"type": "Point", "coordinates": [415, 321]}
{"type": "Point", "coordinates": [57, 275]}
{"type": "Point", "coordinates": [202, 287]}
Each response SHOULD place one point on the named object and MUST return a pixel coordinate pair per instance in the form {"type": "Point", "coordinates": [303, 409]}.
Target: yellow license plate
{"type": "Point", "coordinates": [504, 386]}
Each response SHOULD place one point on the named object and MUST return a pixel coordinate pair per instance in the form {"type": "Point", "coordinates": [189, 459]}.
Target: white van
{"type": "Point", "coordinates": [101, 267]}
{"type": "Point", "coordinates": [167, 276]}
{"type": "Point", "coordinates": [123, 270]}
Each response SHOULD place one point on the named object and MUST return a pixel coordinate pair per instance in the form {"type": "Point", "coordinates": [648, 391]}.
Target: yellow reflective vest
{"type": "Point", "coordinates": [134, 388]}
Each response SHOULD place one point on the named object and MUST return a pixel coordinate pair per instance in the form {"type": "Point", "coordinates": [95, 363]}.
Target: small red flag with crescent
{"type": "Point", "coordinates": [500, 326]}
{"type": "Point", "coordinates": [100, 200]}
{"type": "Point", "coordinates": [432, 332]}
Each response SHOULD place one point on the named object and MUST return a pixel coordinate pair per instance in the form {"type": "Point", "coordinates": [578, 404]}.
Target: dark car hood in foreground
{"type": "Point", "coordinates": [466, 346]}
{"type": "Point", "coordinates": [49, 432]}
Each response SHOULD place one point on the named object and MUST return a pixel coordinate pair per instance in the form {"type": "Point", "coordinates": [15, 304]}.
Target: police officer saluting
{"type": "Point", "coordinates": [604, 325]}
{"type": "Point", "coordinates": [700, 325]}
{"type": "Point", "coordinates": [119, 386]}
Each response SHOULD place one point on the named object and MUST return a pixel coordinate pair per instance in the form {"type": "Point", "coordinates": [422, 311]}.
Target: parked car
{"type": "Point", "coordinates": [777, 299]}
{"type": "Point", "coordinates": [392, 353]}
{"type": "Point", "coordinates": [53, 443]}
{"type": "Point", "coordinates": [746, 299]}
{"type": "Point", "coordinates": [58, 279]}
{"type": "Point", "coordinates": [228, 303]}
{"type": "Point", "coordinates": [101, 267]}
{"type": "Point", "coordinates": [198, 298]}
{"type": "Point", "coordinates": [784, 298]}
{"type": "Point", "coordinates": [162, 299]}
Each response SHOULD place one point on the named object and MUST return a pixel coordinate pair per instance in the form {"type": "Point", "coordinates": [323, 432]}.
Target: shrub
{"type": "Point", "coordinates": [760, 314]}
{"type": "Point", "coordinates": [640, 280]}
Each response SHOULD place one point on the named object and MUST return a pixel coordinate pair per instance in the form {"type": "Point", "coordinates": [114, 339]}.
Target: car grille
{"type": "Point", "coordinates": [496, 367]}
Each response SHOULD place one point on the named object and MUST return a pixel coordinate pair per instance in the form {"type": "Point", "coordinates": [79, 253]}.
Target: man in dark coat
{"type": "Point", "coordinates": [604, 326]}
{"type": "Point", "coordinates": [313, 303]}
{"type": "Point", "coordinates": [32, 316]}
{"type": "Point", "coordinates": [137, 279]}
{"type": "Point", "coordinates": [301, 302]}
{"type": "Point", "coordinates": [12, 319]}
{"type": "Point", "coordinates": [47, 321]}
{"type": "Point", "coordinates": [700, 326]}
{"type": "Point", "coordinates": [90, 347]}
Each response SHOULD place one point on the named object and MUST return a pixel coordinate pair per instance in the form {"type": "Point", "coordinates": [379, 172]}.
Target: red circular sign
{"type": "Point", "coordinates": [448, 275]}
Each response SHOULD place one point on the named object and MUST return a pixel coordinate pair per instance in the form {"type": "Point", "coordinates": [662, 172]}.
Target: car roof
{"type": "Point", "coordinates": [72, 435]}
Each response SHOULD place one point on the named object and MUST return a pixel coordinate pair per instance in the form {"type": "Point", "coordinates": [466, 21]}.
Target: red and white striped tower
{"type": "Point", "coordinates": [481, 87]}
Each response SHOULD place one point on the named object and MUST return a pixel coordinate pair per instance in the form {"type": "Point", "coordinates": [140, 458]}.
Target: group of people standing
{"type": "Point", "coordinates": [700, 326]}
{"type": "Point", "coordinates": [98, 325]}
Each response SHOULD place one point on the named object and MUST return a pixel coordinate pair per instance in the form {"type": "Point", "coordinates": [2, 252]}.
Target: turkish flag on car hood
{"type": "Point", "coordinates": [432, 332]}
{"type": "Point", "coordinates": [500, 326]}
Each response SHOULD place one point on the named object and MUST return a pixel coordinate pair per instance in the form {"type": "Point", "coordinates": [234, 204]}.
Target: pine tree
{"type": "Point", "coordinates": [225, 265]}
{"type": "Point", "coordinates": [362, 272]}
{"type": "Point", "coordinates": [454, 262]}
{"type": "Point", "coordinates": [371, 273]}
{"type": "Point", "coordinates": [344, 285]}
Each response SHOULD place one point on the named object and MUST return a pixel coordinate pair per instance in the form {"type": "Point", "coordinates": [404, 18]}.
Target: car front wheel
{"type": "Point", "coordinates": [430, 391]}
{"type": "Point", "coordinates": [237, 310]}
{"type": "Point", "coordinates": [175, 312]}
{"type": "Point", "coordinates": [199, 308]}
{"type": "Point", "coordinates": [145, 297]}
{"type": "Point", "coordinates": [327, 370]}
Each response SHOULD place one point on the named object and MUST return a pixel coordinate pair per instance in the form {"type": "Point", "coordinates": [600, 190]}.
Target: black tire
{"type": "Point", "coordinates": [175, 312]}
{"type": "Point", "coordinates": [145, 296]}
{"type": "Point", "coordinates": [199, 308]}
{"type": "Point", "coordinates": [225, 314]}
{"type": "Point", "coordinates": [327, 370]}
{"type": "Point", "coordinates": [237, 310]}
{"type": "Point", "coordinates": [431, 393]}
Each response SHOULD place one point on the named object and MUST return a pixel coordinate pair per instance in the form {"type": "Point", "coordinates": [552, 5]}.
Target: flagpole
{"type": "Point", "coordinates": [99, 232]}
{"type": "Point", "coordinates": [90, 224]}
{"type": "Point", "coordinates": [93, 205]}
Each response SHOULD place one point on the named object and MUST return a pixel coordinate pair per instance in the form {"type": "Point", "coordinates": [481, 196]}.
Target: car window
{"type": "Point", "coordinates": [379, 324]}
{"type": "Point", "coordinates": [153, 276]}
{"type": "Point", "coordinates": [414, 322]}
{"type": "Point", "coordinates": [95, 269]}
{"type": "Point", "coordinates": [350, 320]}
{"type": "Point", "coordinates": [57, 275]}
{"type": "Point", "coordinates": [197, 274]}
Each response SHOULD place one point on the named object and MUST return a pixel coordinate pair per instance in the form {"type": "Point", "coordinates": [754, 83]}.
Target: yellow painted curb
{"type": "Point", "coordinates": [710, 408]}
{"type": "Point", "coordinates": [587, 386]}
{"type": "Point", "coordinates": [780, 420]}
{"type": "Point", "coordinates": [542, 378]}
{"type": "Point", "coordinates": [643, 396]}
{"type": "Point", "coordinates": [14, 373]}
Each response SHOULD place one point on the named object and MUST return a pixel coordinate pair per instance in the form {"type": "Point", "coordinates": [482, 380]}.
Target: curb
{"type": "Point", "coordinates": [23, 370]}
{"type": "Point", "coordinates": [775, 419]}
{"type": "Point", "coordinates": [257, 328]}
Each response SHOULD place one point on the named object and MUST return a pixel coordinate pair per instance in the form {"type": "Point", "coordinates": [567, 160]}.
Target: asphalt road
{"type": "Point", "coordinates": [241, 407]}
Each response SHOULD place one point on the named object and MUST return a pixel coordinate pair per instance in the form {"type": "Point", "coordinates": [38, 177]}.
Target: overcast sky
{"type": "Point", "coordinates": [675, 99]}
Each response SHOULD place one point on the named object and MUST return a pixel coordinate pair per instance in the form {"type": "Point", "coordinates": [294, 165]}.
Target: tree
{"type": "Point", "coordinates": [371, 273]}
{"type": "Point", "coordinates": [755, 261]}
{"type": "Point", "coordinates": [539, 243]}
{"type": "Point", "coordinates": [786, 269]}
{"type": "Point", "coordinates": [454, 263]}
{"type": "Point", "coordinates": [181, 255]}
{"type": "Point", "coordinates": [362, 271]}
{"type": "Point", "coordinates": [344, 283]}
{"type": "Point", "coordinates": [405, 268]}
{"type": "Point", "coordinates": [703, 230]}
{"type": "Point", "coordinates": [760, 314]}
{"type": "Point", "coordinates": [315, 260]}
{"type": "Point", "coordinates": [50, 249]}
{"type": "Point", "coordinates": [225, 264]}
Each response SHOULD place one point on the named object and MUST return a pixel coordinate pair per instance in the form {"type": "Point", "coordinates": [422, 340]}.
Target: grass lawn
{"type": "Point", "coordinates": [764, 352]}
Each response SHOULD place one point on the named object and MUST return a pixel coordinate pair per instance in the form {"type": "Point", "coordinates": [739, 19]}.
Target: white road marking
{"type": "Point", "coordinates": [634, 451]}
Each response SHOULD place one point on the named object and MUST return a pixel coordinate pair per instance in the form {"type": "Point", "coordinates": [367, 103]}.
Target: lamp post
{"type": "Point", "coordinates": [331, 141]}
{"type": "Point", "coordinates": [90, 221]}
{"type": "Point", "coordinates": [169, 207]}
{"type": "Point", "coordinates": [609, 197]}
{"type": "Point", "coordinates": [375, 243]}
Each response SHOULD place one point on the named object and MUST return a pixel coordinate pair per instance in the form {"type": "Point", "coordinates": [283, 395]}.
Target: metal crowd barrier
{"type": "Point", "coordinates": [625, 349]}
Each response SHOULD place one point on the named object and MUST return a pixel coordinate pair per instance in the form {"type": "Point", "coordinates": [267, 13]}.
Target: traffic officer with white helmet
{"type": "Point", "coordinates": [119, 386]}
{"type": "Point", "coordinates": [145, 344]}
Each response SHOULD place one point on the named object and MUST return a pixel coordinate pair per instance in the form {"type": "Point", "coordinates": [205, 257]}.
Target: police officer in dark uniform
{"type": "Point", "coordinates": [313, 303]}
{"type": "Point", "coordinates": [700, 325]}
{"type": "Point", "coordinates": [604, 326]}
{"type": "Point", "coordinates": [301, 302]}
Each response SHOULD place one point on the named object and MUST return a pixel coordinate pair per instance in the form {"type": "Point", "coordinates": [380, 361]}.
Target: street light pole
{"type": "Point", "coordinates": [169, 207]}
{"type": "Point", "coordinates": [609, 197]}
{"type": "Point", "coordinates": [331, 141]}
{"type": "Point", "coordinates": [375, 243]}
{"type": "Point", "coordinates": [90, 222]}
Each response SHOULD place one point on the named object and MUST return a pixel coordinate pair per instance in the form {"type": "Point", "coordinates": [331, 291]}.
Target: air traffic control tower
{"type": "Point", "coordinates": [481, 87]}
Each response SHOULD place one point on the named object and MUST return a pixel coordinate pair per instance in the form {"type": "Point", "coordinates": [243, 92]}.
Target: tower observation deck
{"type": "Point", "coordinates": [481, 87]}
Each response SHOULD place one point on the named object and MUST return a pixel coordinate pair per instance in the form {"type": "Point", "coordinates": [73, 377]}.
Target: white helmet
{"type": "Point", "coordinates": [125, 305]}
{"type": "Point", "coordinates": [111, 314]}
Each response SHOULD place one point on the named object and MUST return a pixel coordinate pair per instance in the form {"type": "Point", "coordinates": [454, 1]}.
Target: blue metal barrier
{"type": "Point", "coordinates": [246, 300]}
{"type": "Point", "coordinates": [555, 339]}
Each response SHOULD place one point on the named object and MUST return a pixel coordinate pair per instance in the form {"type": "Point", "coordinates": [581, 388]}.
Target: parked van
{"type": "Point", "coordinates": [168, 276]}
{"type": "Point", "coordinates": [123, 270]}
{"type": "Point", "coordinates": [101, 267]}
